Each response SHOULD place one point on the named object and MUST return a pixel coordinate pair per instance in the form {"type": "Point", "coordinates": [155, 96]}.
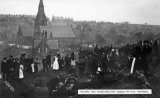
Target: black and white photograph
{"type": "Point", "coordinates": [79, 49]}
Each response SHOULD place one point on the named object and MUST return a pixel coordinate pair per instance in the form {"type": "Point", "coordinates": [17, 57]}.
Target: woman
{"type": "Point", "coordinates": [21, 74]}
{"type": "Point", "coordinates": [55, 64]}
{"type": "Point", "coordinates": [33, 66]}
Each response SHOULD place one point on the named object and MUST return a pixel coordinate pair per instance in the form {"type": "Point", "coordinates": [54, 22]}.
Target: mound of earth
{"type": "Point", "coordinates": [35, 86]}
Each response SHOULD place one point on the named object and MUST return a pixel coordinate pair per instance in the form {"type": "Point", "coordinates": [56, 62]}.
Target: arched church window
{"type": "Point", "coordinates": [50, 34]}
{"type": "Point", "coordinates": [39, 50]}
{"type": "Point", "coordinates": [45, 34]}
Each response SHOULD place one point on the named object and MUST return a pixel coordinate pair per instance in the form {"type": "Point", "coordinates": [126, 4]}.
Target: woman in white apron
{"type": "Point", "coordinates": [55, 64]}
{"type": "Point", "coordinates": [21, 75]}
{"type": "Point", "coordinates": [32, 66]}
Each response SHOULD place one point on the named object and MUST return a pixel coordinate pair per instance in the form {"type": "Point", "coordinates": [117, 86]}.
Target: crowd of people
{"type": "Point", "coordinates": [17, 68]}
{"type": "Point", "coordinates": [109, 58]}
{"type": "Point", "coordinates": [89, 61]}
{"type": "Point", "coordinates": [65, 63]}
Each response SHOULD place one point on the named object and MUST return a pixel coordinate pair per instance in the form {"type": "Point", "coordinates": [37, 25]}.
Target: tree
{"type": "Point", "coordinates": [138, 36]}
{"type": "Point", "coordinates": [120, 39]}
{"type": "Point", "coordinates": [149, 36]}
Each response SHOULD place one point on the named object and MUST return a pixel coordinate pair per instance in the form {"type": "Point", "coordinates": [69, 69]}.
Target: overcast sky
{"type": "Point", "coordinates": [133, 11]}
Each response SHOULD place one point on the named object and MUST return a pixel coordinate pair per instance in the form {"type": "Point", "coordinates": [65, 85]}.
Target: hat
{"type": "Point", "coordinates": [146, 41]}
{"type": "Point", "coordinates": [5, 58]}
{"type": "Point", "coordinates": [10, 56]}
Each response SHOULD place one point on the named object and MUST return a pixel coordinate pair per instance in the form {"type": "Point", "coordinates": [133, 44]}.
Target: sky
{"type": "Point", "coordinates": [132, 11]}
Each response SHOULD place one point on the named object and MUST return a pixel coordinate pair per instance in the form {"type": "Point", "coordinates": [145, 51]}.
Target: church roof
{"type": "Point", "coordinates": [52, 44]}
{"type": "Point", "coordinates": [58, 31]}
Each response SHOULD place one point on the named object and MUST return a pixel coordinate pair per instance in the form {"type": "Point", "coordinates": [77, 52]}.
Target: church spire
{"type": "Point", "coordinates": [41, 8]}
{"type": "Point", "coordinates": [41, 3]}
{"type": "Point", "coordinates": [40, 20]}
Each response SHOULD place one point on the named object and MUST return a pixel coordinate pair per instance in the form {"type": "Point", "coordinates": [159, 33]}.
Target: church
{"type": "Point", "coordinates": [48, 38]}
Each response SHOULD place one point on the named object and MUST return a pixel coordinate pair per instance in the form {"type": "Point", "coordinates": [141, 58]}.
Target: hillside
{"type": "Point", "coordinates": [116, 33]}
{"type": "Point", "coordinates": [86, 31]}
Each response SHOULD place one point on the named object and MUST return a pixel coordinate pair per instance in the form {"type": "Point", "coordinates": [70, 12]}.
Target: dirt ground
{"type": "Point", "coordinates": [29, 89]}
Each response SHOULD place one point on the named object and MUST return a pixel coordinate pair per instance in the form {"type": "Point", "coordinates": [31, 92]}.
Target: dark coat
{"type": "Point", "coordinates": [4, 67]}
{"type": "Point", "coordinates": [48, 59]}
{"type": "Point", "coordinates": [10, 65]}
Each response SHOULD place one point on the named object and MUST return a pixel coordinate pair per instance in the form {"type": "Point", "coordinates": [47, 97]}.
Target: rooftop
{"type": "Point", "coordinates": [58, 31]}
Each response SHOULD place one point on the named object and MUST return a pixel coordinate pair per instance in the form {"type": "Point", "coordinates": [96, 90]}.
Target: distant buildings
{"type": "Point", "coordinates": [61, 21]}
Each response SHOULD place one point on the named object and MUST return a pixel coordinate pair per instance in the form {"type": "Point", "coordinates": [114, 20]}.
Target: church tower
{"type": "Point", "coordinates": [40, 20]}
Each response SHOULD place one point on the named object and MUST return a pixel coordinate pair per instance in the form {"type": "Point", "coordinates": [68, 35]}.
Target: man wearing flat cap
{"type": "Point", "coordinates": [146, 56]}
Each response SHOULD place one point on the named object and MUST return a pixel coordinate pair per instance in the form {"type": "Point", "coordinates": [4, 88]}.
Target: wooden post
{"type": "Point", "coordinates": [133, 63]}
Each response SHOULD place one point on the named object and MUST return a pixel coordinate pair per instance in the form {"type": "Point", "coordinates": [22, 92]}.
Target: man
{"type": "Point", "coordinates": [10, 68]}
{"type": "Point", "coordinates": [17, 63]}
{"type": "Point", "coordinates": [96, 50]}
{"type": "Point", "coordinates": [36, 63]}
{"type": "Point", "coordinates": [67, 63]}
{"type": "Point", "coordinates": [146, 56]}
{"type": "Point", "coordinates": [23, 58]}
{"type": "Point", "coordinates": [95, 64]}
{"type": "Point", "coordinates": [4, 67]}
{"type": "Point", "coordinates": [48, 60]}
{"type": "Point", "coordinates": [89, 65]}
{"type": "Point", "coordinates": [70, 84]}
{"type": "Point", "coordinates": [137, 53]}
{"type": "Point", "coordinates": [27, 64]}
{"type": "Point", "coordinates": [44, 62]}
{"type": "Point", "coordinates": [103, 62]}
{"type": "Point", "coordinates": [54, 84]}
{"type": "Point", "coordinates": [155, 56]}
{"type": "Point", "coordinates": [60, 62]}
{"type": "Point", "coordinates": [58, 87]}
